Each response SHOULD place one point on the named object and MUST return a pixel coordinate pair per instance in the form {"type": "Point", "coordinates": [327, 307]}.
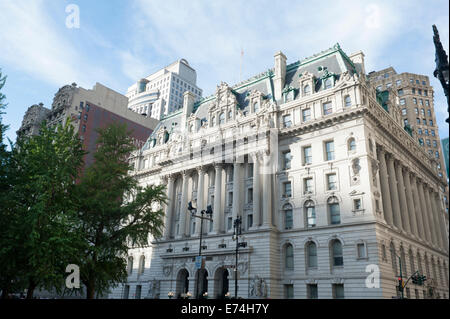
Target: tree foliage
{"type": "Point", "coordinates": [115, 213]}
{"type": "Point", "coordinates": [41, 211]}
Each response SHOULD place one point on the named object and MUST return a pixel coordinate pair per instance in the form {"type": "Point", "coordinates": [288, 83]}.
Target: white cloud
{"type": "Point", "coordinates": [31, 43]}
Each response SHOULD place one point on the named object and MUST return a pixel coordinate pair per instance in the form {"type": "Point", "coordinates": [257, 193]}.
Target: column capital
{"type": "Point", "coordinates": [217, 165]}
{"type": "Point", "coordinates": [201, 169]}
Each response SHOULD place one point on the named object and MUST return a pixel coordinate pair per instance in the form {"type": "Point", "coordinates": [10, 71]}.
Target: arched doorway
{"type": "Point", "coordinates": [221, 279]}
{"type": "Point", "coordinates": [182, 282]}
{"type": "Point", "coordinates": [201, 283]}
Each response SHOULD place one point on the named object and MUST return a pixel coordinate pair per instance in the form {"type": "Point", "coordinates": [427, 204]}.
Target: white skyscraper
{"type": "Point", "coordinates": [161, 93]}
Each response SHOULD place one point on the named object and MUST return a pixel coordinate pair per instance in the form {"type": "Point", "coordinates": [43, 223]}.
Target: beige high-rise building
{"type": "Point", "coordinates": [416, 100]}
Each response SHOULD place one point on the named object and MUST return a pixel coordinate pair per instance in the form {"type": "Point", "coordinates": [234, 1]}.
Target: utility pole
{"type": "Point", "coordinates": [236, 233]}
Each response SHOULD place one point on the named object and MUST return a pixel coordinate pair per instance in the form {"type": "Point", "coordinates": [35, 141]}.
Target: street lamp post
{"type": "Point", "coordinates": [209, 213]}
{"type": "Point", "coordinates": [236, 233]}
{"type": "Point", "coordinates": [441, 72]}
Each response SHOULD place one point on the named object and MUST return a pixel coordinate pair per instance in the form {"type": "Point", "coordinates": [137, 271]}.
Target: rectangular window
{"type": "Point", "coordinates": [335, 215]}
{"type": "Point", "coordinates": [287, 121]}
{"type": "Point", "coordinates": [416, 110]}
{"type": "Point", "coordinates": [338, 291]}
{"type": "Point", "coordinates": [307, 155]}
{"type": "Point", "coordinates": [327, 108]}
{"type": "Point", "coordinates": [431, 122]}
{"type": "Point", "coordinates": [404, 111]}
{"type": "Point", "coordinates": [414, 100]}
{"type": "Point", "coordinates": [400, 92]}
{"type": "Point", "coordinates": [250, 195]}
{"type": "Point", "coordinates": [83, 128]}
{"type": "Point", "coordinates": [427, 102]}
{"type": "Point", "coordinates": [312, 291]}
{"type": "Point", "coordinates": [419, 131]}
{"type": "Point", "coordinates": [230, 198]}
{"type": "Point", "coordinates": [288, 291]}
{"type": "Point", "coordinates": [432, 133]}
{"type": "Point", "coordinates": [357, 204]}
{"type": "Point", "coordinates": [306, 113]}
{"type": "Point", "coordinates": [249, 220]}
{"type": "Point", "coordinates": [331, 182]}
{"type": "Point", "coordinates": [402, 101]}
{"type": "Point", "coordinates": [405, 122]}
{"type": "Point", "coordinates": [138, 292]}
{"type": "Point", "coordinates": [250, 170]}
{"type": "Point", "coordinates": [308, 185]}
{"type": "Point", "coordinates": [361, 250]}
{"type": "Point", "coordinates": [126, 292]}
{"type": "Point", "coordinates": [379, 88]}
{"type": "Point", "coordinates": [398, 82]}
{"type": "Point", "coordinates": [388, 85]}
{"type": "Point", "coordinates": [287, 160]}
{"type": "Point", "coordinates": [329, 151]}
{"type": "Point", "coordinates": [420, 102]}
{"type": "Point", "coordinates": [230, 223]}
{"type": "Point", "coordinates": [81, 107]}
{"type": "Point", "coordinates": [420, 92]}
{"type": "Point", "coordinates": [287, 192]}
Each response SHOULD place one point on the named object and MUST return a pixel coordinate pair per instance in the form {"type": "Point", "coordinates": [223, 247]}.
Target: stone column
{"type": "Point", "coordinates": [441, 220]}
{"type": "Point", "coordinates": [169, 208]}
{"type": "Point", "coordinates": [236, 190]}
{"type": "Point", "coordinates": [437, 226]}
{"type": "Point", "coordinates": [394, 194]}
{"type": "Point", "coordinates": [426, 224]}
{"type": "Point", "coordinates": [200, 201]}
{"type": "Point", "coordinates": [410, 203]}
{"type": "Point", "coordinates": [267, 193]}
{"type": "Point", "coordinates": [256, 192]}
{"type": "Point", "coordinates": [402, 196]}
{"type": "Point", "coordinates": [184, 203]}
{"type": "Point", "coordinates": [384, 183]}
{"type": "Point", "coordinates": [418, 208]}
{"type": "Point", "coordinates": [431, 221]}
{"type": "Point", "coordinates": [433, 216]}
{"type": "Point", "coordinates": [217, 210]}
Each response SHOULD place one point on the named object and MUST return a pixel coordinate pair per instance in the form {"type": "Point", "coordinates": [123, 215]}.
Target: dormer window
{"type": "Point", "coordinates": [307, 90]}
{"type": "Point", "coordinates": [256, 107]}
{"type": "Point", "coordinates": [328, 83]}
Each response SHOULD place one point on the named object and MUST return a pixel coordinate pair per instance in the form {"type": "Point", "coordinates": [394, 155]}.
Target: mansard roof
{"type": "Point", "coordinates": [331, 62]}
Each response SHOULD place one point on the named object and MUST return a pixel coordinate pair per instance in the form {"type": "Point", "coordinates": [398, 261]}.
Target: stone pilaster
{"type": "Point", "coordinates": [184, 203]}
{"type": "Point", "coordinates": [169, 208]}
{"type": "Point", "coordinates": [200, 200]}
{"type": "Point", "coordinates": [402, 196]}
{"type": "Point", "coordinates": [236, 189]}
{"type": "Point", "coordinates": [425, 219]}
{"type": "Point", "coordinates": [256, 192]}
{"type": "Point", "coordinates": [410, 203]}
{"type": "Point", "coordinates": [385, 193]}
{"type": "Point", "coordinates": [394, 194]}
{"type": "Point", "coordinates": [218, 211]}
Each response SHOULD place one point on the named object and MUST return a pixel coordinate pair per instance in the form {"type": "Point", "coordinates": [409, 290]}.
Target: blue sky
{"type": "Point", "coordinates": [120, 41]}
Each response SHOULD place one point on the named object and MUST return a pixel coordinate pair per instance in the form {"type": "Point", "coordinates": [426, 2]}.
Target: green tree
{"type": "Point", "coordinates": [41, 207]}
{"type": "Point", "coordinates": [115, 212]}
{"type": "Point", "coordinates": [8, 277]}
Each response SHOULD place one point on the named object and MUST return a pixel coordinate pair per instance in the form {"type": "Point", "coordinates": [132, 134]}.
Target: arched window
{"type": "Point", "coordinates": [310, 213]}
{"type": "Point", "coordinates": [288, 221]}
{"type": "Point", "coordinates": [393, 258]}
{"type": "Point", "coordinates": [306, 90]}
{"type": "Point", "coordinates": [327, 83]}
{"type": "Point", "coordinates": [419, 263]}
{"type": "Point", "coordinates": [403, 258]}
{"type": "Point", "coordinates": [289, 257]}
{"type": "Point", "coordinates": [334, 210]}
{"type": "Point", "coordinates": [230, 115]}
{"type": "Point", "coordinates": [222, 118]}
{"type": "Point", "coordinates": [141, 264]}
{"type": "Point", "coordinates": [351, 144]}
{"type": "Point", "coordinates": [256, 107]}
{"type": "Point", "coordinates": [411, 261]}
{"type": "Point", "coordinates": [213, 121]}
{"type": "Point", "coordinates": [311, 254]}
{"type": "Point", "coordinates": [130, 265]}
{"type": "Point", "coordinates": [383, 252]}
{"type": "Point", "coordinates": [348, 101]}
{"type": "Point", "coordinates": [336, 251]}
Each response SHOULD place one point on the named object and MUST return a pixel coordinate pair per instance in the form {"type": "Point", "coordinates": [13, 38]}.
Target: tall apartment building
{"type": "Point", "coordinates": [323, 175]}
{"type": "Point", "coordinates": [416, 98]}
{"type": "Point", "coordinates": [161, 93]}
{"type": "Point", "coordinates": [88, 110]}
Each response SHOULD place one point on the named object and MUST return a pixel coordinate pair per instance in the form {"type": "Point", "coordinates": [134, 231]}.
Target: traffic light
{"type": "Point", "coordinates": [415, 279]}
{"type": "Point", "coordinates": [400, 284]}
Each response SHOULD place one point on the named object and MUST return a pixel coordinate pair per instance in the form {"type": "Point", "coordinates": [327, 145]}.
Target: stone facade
{"type": "Point", "coordinates": [325, 179]}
